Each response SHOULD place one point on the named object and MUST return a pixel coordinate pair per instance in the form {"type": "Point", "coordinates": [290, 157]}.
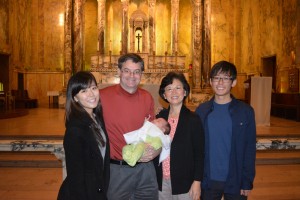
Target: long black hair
{"type": "Point", "coordinates": [83, 80]}
{"type": "Point", "coordinates": [79, 81]}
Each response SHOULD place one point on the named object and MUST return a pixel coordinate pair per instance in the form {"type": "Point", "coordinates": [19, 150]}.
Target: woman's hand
{"type": "Point", "coordinates": [149, 154]}
{"type": "Point", "coordinates": [195, 190]}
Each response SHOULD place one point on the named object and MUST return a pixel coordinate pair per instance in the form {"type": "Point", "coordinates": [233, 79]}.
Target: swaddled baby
{"type": "Point", "coordinates": [155, 133]}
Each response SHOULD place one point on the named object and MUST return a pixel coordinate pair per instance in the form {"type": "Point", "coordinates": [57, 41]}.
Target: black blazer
{"type": "Point", "coordinates": [187, 152]}
{"type": "Point", "coordinates": [87, 172]}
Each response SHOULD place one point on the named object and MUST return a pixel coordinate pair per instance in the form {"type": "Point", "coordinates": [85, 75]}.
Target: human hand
{"type": "Point", "coordinates": [148, 117]}
{"type": "Point", "coordinates": [149, 154]}
{"type": "Point", "coordinates": [245, 192]}
{"type": "Point", "coordinates": [195, 190]}
{"type": "Point", "coordinates": [158, 109]}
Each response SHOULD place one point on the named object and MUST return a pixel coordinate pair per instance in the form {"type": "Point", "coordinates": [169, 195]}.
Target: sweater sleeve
{"type": "Point", "coordinates": [74, 152]}
{"type": "Point", "coordinates": [250, 153]}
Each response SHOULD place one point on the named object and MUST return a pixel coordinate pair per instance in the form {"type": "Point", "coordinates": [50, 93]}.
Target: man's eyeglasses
{"type": "Point", "coordinates": [128, 72]}
{"type": "Point", "coordinates": [225, 79]}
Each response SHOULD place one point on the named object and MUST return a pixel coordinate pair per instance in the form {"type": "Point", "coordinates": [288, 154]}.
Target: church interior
{"type": "Point", "coordinates": [43, 42]}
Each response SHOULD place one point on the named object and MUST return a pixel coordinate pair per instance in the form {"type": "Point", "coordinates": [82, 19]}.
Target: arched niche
{"type": "Point", "coordinates": [138, 32]}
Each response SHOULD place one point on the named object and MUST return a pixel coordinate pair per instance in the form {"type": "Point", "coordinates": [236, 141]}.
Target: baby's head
{"type": "Point", "coordinates": [163, 125]}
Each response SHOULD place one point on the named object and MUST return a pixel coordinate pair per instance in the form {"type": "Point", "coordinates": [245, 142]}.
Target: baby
{"type": "Point", "coordinates": [155, 133]}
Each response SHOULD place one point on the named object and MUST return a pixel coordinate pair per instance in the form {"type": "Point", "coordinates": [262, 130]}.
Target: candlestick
{"type": "Point", "coordinates": [166, 53]}
{"type": "Point", "coordinates": [121, 47]}
{"type": "Point", "coordinates": [153, 59]}
{"type": "Point", "coordinates": [166, 46]}
{"type": "Point", "coordinates": [176, 59]}
{"type": "Point", "coordinates": [109, 65]}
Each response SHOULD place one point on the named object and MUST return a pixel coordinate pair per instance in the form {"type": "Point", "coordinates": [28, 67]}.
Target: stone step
{"type": "Point", "coordinates": [280, 157]}
{"type": "Point", "coordinates": [46, 159]}
{"type": "Point", "coordinates": [29, 159]}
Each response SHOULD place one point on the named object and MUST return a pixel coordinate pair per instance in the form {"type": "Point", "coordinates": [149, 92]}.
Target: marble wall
{"type": "Point", "coordinates": [242, 31]}
{"type": "Point", "coordinates": [35, 44]}
{"type": "Point", "coordinates": [4, 39]}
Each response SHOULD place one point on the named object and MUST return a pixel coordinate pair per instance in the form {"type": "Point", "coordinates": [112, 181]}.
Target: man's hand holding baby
{"type": "Point", "coordinates": [150, 153]}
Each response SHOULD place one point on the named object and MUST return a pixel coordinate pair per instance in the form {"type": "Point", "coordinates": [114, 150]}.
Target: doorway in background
{"type": "Point", "coordinates": [20, 81]}
{"type": "Point", "coordinates": [4, 71]}
{"type": "Point", "coordinates": [269, 69]}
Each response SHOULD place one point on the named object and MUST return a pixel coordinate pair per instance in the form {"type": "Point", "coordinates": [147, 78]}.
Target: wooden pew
{"type": "Point", "coordinates": [286, 105]}
{"type": "Point", "coordinates": [22, 99]}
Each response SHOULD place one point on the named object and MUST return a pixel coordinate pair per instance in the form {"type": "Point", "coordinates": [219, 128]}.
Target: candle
{"type": "Point", "coordinates": [175, 46]}
{"type": "Point", "coordinates": [109, 45]}
{"type": "Point", "coordinates": [98, 44]}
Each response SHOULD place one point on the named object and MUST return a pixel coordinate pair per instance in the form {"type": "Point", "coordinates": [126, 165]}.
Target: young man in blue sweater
{"type": "Point", "coordinates": [230, 139]}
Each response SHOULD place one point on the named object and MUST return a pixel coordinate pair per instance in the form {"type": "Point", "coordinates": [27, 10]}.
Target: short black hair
{"type": "Point", "coordinates": [133, 57]}
{"type": "Point", "coordinates": [168, 79]}
{"type": "Point", "coordinates": [224, 67]}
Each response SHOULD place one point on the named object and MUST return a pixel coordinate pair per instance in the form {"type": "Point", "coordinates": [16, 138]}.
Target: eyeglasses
{"type": "Point", "coordinates": [225, 79]}
{"type": "Point", "coordinates": [128, 72]}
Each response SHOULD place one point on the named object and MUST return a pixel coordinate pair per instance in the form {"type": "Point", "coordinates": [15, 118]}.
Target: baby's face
{"type": "Point", "coordinates": [160, 123]}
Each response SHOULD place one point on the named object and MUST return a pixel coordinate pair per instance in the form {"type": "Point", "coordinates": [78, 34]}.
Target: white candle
{"type": "Point", "coordinates": [109, 45]}
{"type": "Point", "coordinates": [98, 44]}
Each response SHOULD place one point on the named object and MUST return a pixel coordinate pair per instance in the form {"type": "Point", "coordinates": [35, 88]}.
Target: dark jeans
{"type": "Point", "coordinates": [217, 191]}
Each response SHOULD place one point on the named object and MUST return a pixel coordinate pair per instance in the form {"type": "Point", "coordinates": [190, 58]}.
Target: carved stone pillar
{"type": "Point", "coordinates": [197, 28]}
{"type": "Point", "coordinates": [101, 25]}
{"type": "Point", "coordinates": [132, 36]}
{"type": "Point", "coordinates": [68, 42]}
{"type": "Point", "coordinates": [124, 26]}
{"type": "Point", "coordinates": [144, 38]}
{"type": "Point", "coordinates": [206, 45]}
{"type": "Point", "coordinates": [174, 21]}
{"type": "Point", "coordinates": [152, 42]}
{"type": "Point", "coordinates": [78, 34]}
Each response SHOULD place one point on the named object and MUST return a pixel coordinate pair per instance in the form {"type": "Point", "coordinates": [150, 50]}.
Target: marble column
{"type": "Point", "coordinates": [68, 42]}
{"type": "Point", "coordinates": [124, 26]}
{"type": "Point", "coordinates": [297, 59]}
{"type": "Point", "coordinates": [152, 42]}
{"type": "Point", "coordinates": [236, 27]}
{"type": "Point", "coordinates": [197, 28]}
{"type": "Point", "coordinates": [41, 38]}
{"type": "Point", "coordinates": [78, 34]}
{"type": "Point", "coordinates": [206, 45]}
{"type": "Point", "coordinates": [132, 36]}
{"type": "Point", "coordinates": [101, 26]}
{"type": "Point", "coordinates": [144, 38]}
{"type": "Point", "coordinates": [174, 21]}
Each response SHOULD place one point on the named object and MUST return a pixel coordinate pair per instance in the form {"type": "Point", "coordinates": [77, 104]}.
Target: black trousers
{"type": "Point", "coordinates": [216, 192]}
